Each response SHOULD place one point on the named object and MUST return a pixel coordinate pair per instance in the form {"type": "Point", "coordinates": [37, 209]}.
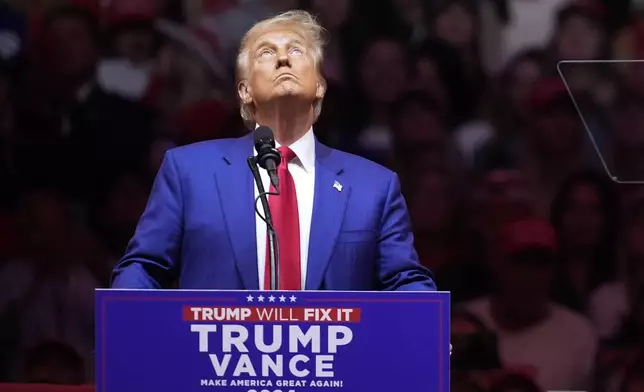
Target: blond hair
{"type": "Point", "coordinates": [301, 22]}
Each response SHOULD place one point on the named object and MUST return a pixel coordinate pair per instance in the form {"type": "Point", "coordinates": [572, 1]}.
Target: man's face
{"type": "Point", "coordinates": [504, 196]}
{"type": "Point", "coordinates": [525, 75]}
{"type": "Point", "coordinates": [525, 278]}
{"type": "Point", "coordinates": [47, 221]}
{"type": "Point", "coordinates": [583, 221]}
{"type": "Point", "coordinates": [558, 132]}
{"type": "Point", "coordinates": [136, 44]}
{"type": "Point", "coordinates": [579, 39]}
{"type": "Point", "coordinates": [427, 78]}
{"type": "Point", "coordinates": [384, 71]}
{"type": "Point", "coordinates": [455, 25]}
{"type": "Point", "coordinates": [419, 125]}
{"type": "Point", "coordinates": [71, 45]}
{"type": "Point", "coordinates": [281, 65]}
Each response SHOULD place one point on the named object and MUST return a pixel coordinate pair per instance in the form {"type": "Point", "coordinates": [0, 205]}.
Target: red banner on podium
{"type": "Point", "coordinates": [44, 388]}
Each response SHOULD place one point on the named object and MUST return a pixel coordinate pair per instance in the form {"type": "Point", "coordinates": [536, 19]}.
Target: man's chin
{"type": "Point", "coordinates": [289, 95]}
{"type": "Point", "coordinates": [288, 89]}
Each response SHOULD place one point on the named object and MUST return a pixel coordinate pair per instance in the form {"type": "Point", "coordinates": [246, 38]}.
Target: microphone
{"type": "Point", "coordinates": [268, 157]}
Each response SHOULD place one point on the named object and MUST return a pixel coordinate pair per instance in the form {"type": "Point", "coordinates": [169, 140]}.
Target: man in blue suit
{"type": "Point", "coordinates": [341, 220]}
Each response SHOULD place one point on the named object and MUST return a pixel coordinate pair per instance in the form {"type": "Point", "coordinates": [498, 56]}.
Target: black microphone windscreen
{"type": "Point", "coordinates": [264, 135]}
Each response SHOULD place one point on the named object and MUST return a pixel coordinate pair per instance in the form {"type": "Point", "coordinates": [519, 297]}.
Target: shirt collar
{"type": "Point", "coordinates": [304, 149]}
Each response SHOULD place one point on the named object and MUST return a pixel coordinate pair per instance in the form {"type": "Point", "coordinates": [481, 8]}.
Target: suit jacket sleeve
{"type": "Point", "coordinates": [152, 256]}
{"type": "Point", "coordinates": [399, 268]}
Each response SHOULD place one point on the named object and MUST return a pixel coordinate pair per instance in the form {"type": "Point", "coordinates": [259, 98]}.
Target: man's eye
{"type": "Point", "coordinates": [265, 52]}
{"type": "Point", "coordinates": [296, 51]}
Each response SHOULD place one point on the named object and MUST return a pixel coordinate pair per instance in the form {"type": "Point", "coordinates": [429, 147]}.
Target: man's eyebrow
{"type": "Point", "coordinates": [297, 41]}
{"type": "Point", "coordinates": [262, 44]}
{"type": "Point", "coordinates": [265, 43]}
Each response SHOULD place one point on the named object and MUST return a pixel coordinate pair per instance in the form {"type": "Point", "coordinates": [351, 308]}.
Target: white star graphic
{"type": "Point", "coordinates": [249, 298]}
{"type": "Point", "coordinates": [293, 298]}
{"type": "Point", "coordinates": [260, 298]}
{"type": "Point", "coordinates": [271, 299]}
{"type": "Point", "coordinates": [282, 298]}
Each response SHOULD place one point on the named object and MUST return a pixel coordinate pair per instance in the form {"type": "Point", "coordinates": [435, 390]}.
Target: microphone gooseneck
{"type": "Point", "coordinates": [268, 158]}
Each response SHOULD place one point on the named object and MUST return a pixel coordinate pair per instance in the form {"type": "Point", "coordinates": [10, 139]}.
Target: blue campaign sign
{"type": "Point", "coordinates": [242, 341]}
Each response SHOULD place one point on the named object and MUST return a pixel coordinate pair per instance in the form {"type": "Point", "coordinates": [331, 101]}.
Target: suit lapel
{"type": "Point", "coordinates": [329, 206]}
{"type": "Point", "coordinates": [236, 192]}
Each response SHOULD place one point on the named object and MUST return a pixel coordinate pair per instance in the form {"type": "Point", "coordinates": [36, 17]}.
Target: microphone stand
{"type": "Point", "coordinates": [273, 246]}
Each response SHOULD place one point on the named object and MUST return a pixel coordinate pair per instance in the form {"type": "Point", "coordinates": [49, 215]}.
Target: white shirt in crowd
{"type": "Point", "coordinates": [609, 306]}
{"type": "Point", "coordinates": [302, 168]}
{"type": "Point", "coordinates": [559, 353]}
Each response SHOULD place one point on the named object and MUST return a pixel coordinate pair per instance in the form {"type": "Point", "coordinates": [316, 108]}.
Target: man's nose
{"type": "Point", "coordinates": [282, 59]}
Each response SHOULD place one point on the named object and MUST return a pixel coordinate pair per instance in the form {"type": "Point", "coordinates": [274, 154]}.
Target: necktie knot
{"type": "Point", "coordinates": [287, 154]}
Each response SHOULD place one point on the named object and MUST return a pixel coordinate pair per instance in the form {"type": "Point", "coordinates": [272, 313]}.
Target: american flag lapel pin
{"type": "Point", "coordinates": [337, 186]}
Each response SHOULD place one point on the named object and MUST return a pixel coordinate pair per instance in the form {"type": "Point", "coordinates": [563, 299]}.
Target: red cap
{"type": "Point", "coordinates": [117, 11]}
{"type": "Point", "coordinates": [546, 92]}
{"type": "Point", "coordinates": [532, 233]}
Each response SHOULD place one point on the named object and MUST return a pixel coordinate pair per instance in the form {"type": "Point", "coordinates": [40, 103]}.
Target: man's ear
{"type": "Point", "coordinates": [244, 92]}
{"type": "Point", "coordinates": [320, 89]}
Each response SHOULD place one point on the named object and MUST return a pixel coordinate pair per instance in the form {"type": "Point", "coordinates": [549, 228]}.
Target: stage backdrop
{"type": "Point", "coordinates": [234, 341]}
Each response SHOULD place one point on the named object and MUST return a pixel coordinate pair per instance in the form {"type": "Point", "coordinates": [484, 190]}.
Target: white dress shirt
{"type": "Point", "coordinates": [302, 168]}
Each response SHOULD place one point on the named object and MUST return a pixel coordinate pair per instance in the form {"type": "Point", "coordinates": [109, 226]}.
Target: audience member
{"type": "Point", "coordinates": [554, 143]}
{"type": "Point", "coordinates": [420, 134]}
{"type": "Point", "coordinates": [580, 33]}
{"type": "Point", "coordinates": [413, 17]}
{"type": "Point", "coordinates": [383, 78]}
{"type": "Point", "coordinates": [133, 42]}
{"type": "Point", "coordinates": [73, 125]}
{"type": "Point", "coordinates": [625, 153]}
{"type": "Point", "coordinates": [584, 214]}
{"type": "Point", "coordinates": [531, 329]}
{"type": "Point", "coordinates": [48, 293]}
{"type": "Point", "coordinates": [457, 22]}
{"type": "Point", "coordinates": [506, 115]}
{"type": "Point", "coordinates": [475, 346]}
{"type": "Point", "coordinates": [437, 70]}
{"type": "Point", "coordinates": [612, 302]}
{"type": "Point", "coordinates": [339, 18]}
{"type": "Point", "coordinates": [433, 201]}
{"type": "Point", "coordinates": [117, 215]}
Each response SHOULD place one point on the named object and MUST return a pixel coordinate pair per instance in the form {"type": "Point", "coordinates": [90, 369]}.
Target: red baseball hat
{"type": "Point", "coordinates": [548, 93]}
{"type": "Point", "coordinates": [527, 234]}
{"type": "Point", "coordinates": [118, 11]}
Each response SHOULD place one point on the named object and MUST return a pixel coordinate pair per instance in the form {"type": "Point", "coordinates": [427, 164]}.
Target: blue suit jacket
{"type": "Point", "coordinates": [199, 225]}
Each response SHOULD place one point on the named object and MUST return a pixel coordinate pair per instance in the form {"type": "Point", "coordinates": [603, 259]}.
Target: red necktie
{"type": "Point", "coordinates": [286, 222]}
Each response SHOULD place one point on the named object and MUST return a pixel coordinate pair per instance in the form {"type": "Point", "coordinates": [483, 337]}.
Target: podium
{"type": "Point", "coordinates": [265, 341]}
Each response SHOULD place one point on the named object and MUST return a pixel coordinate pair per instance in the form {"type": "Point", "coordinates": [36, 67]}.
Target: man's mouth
{"type": "Point", "coordinates": [286, 76]}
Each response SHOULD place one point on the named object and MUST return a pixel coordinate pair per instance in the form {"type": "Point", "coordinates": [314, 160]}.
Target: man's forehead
{"type": "Point", "coordinates": [275, 35]}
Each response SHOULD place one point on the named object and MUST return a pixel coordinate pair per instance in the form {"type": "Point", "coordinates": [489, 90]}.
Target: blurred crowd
{"type": "Point", "coordinates": [521, 172]}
